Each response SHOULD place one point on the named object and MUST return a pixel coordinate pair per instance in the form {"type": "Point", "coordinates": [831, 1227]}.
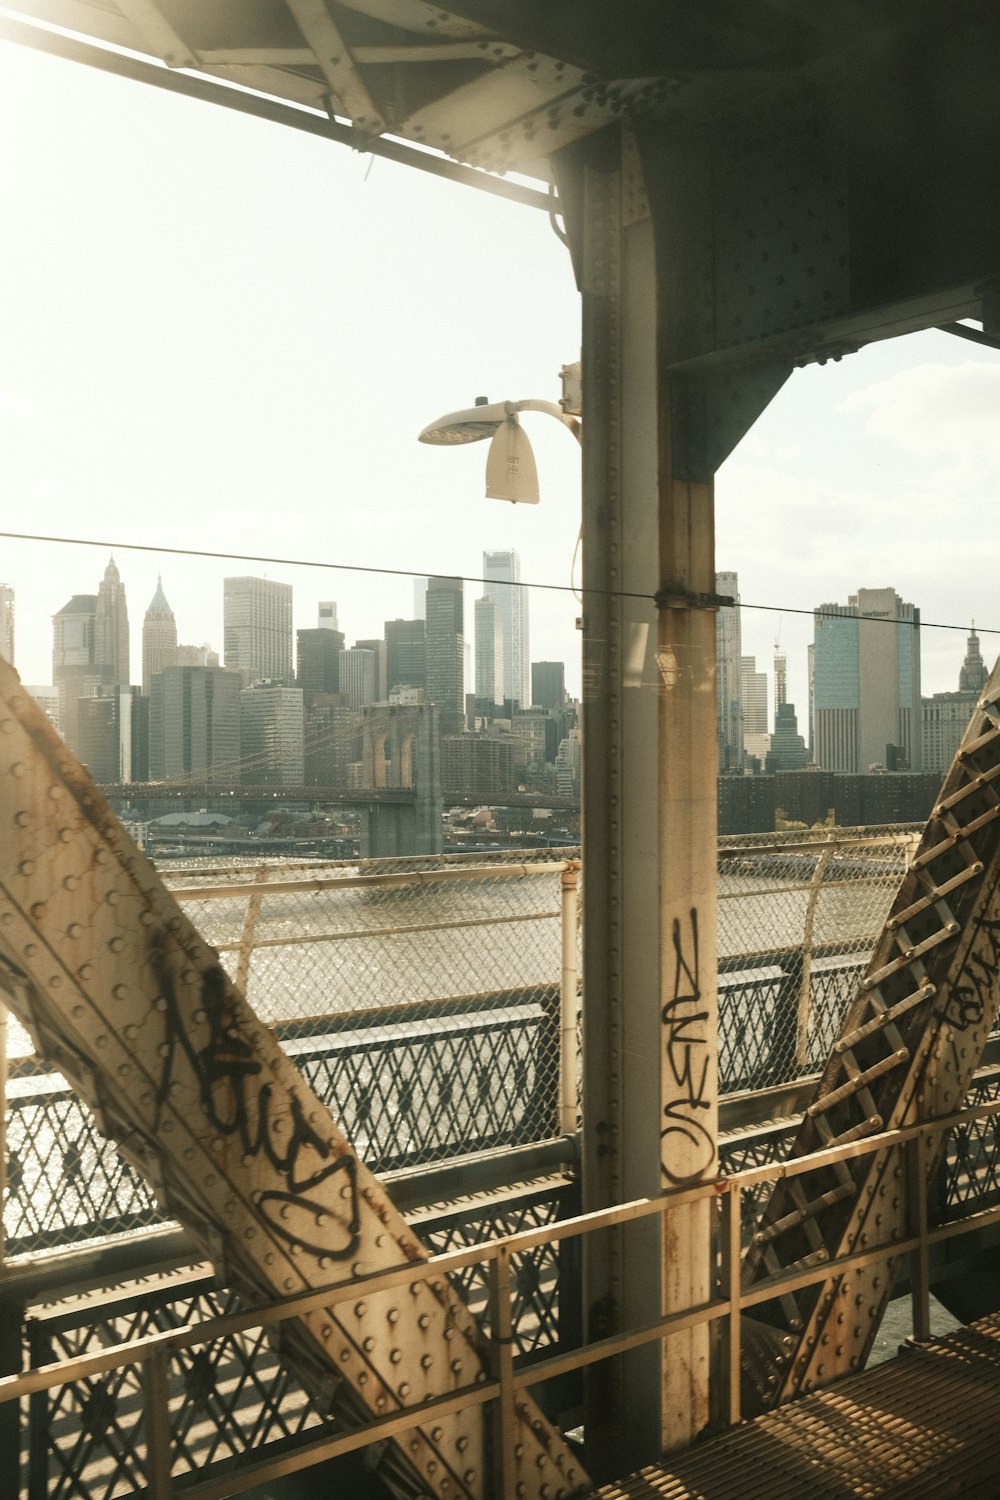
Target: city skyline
{"type": "Point", "coordinates": [161, 615]}
{"type": "Point", "coordinates": [137, 433]}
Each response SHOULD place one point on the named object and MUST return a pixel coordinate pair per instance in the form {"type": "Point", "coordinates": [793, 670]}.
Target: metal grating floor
{"type": "Point", "coordinates": [925, 1424]}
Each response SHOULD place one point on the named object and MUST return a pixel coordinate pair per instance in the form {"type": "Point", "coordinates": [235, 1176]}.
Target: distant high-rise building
{"type": "Point", "coordinates": [502, 572]}
{"type": "Point", "coordinates": [110, 734]}
{"type": "Point", "coordinates": [73, 633]}
{"type": "Point", "coordinates": [420, 598]}
{"type": "Point", "coordinates": [753, 692]}
{"type": "Point", "coordinates": [326, 616]}
{"type": "Point", "coordinates": [194, 724]}
{"type": "Point", "coordinates": [867, 683]}
{"type": "Point", "coordinates": [378, 650]}
{"type": "Point", "coordinates": [548, 684]}
{"type": "Point", "coordinates": [75, 672]}
{"type": "Point", "coordinates": [945, 716]}
{"type": "Point", "coordinates": [7, 622]}
{"type": "Point", "coordinates": [780, 681]}
{"type": "Point", "coordinates": [46, 695]}
{"type": "Point", "coordinates": [478, 763]}
{"type": "Point", "coordinates": [811, 675]}
{"type": "Point", "coordinates": [406, 654]}
{"type": "Point", "coordinates": [196, 656]}
{"type": "Point", "coordinates": [972, 678]}
{"type": "Point", "coordinates": [488, 676]}
{"type": "Point", "coordinates": [568, 765]}
{"type": "Point", "coordinates": [257, 628]}
{"type": "Point", "coordinates": [728, 677]}
{"type": "Point", "coordinates": [331, 745]}
{"type": "Point", "coordinates": [111, 640]}
{"type": "Point", "coordinates": [357, 676]}
{"type": "Point", "coordinates": [446, 652]}
{"type": "Point", "coordinates": [317, 661]}
{"type": "Point", "coordinates": [272, 735]}
{"type": "Point", "coordinates": [535, 729]}
{"type": "Point", "coordinates": [753, 703]}
{"type": "Point", "coordinates": [788, 748]}
{"type": "Point", "coordinates": [159, 638]}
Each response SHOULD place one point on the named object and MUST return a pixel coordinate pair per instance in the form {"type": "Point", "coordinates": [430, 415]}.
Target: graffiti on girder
{"type": "Point", "coordinates": [239, 1107]}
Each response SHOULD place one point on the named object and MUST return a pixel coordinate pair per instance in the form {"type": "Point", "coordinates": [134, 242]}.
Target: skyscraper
{"type": "Point", "coordinates": [317, 662]}
{"type": "Point", "coordinates": [502, 572]}
{"type": "Point", "coordinates": [377, 648]}
{"type": "Point", "coordinates": [406, 654]}
{"type": "Point", "coordinates": [946, 716]}
{"type": "Point", "coordinates": [159, 637]}
{"type": "Point", "coordinates": [194, 724]}
{"type": "Point", "coordinates": [780, 681]}
{"type": "Point", "coordinates": [867, 683]}
{"type": "Point", "coordinates": [972, 678]}
{"type": "Point", "coordinates": [728, 677]}
{"type": "Point", "coordinates": [548, 684]}
{"type": "Point", "coordinates": [326, 617]}
{"type": "Point", "coordinates": [446, 652]}
{"type": "Point", "coordinates": [357, 669]}
{"type": "Point", "coordinates": [7, 622]}
{"type": "Point", "coordinates": [489, 656]}
{"type": "Point", "coordinates": [753, 701]}
{"type": "Point", "coordinates": [257, 629]}
{"type": "Point", "coordinates": [111, 642]}
{"type": "Point", "coordinates": [272, 736]}
{"type": "Point", "coordinates": [75, 673]}
{"type": "Point", "coordinates": [420, 598]}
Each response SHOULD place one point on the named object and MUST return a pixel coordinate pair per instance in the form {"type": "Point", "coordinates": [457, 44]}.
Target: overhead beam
{"type": "Point", "coordinates": [151, 24]}
{"type": "Point", "coordinates": [193, 86]}
{"type": "Point", "coordinates": [337, 65]}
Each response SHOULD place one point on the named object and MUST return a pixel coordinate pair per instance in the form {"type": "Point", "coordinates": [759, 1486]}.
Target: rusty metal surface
{"type": "Point", "coordinates": [122, 994]}
{"type": "Point", "coordinates": [922, 1427]}
{"type": "Point", "coordinates": [907, 1050]}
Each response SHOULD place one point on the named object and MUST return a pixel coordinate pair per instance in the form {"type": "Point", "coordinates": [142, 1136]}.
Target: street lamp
{"type": "Point", "coordinates": [510, 464]}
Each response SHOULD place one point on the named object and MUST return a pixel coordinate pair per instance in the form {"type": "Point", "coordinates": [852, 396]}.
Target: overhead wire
{"type": "Point", "coordinates": [837, 612]}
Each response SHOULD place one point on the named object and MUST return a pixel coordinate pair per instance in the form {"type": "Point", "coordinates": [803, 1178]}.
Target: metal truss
{"type": "Point", "coordinates": [123, 996]}
{"type": "Point", "coordinates": [907, 1050]}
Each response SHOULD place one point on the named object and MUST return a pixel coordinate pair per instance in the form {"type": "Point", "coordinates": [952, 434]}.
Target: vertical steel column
{"type": "Point", "coordinates": [568, 988]}
{"type": "Point", "coordinates": [649, 829]}
{"type": "Point", "coordinates": [688, 855]}
{"type": "Point", "coordinates": [3, 1130]}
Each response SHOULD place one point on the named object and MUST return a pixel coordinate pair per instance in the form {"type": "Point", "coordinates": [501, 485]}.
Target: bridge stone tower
{"type": "Point", "coordinates": [401, 751]}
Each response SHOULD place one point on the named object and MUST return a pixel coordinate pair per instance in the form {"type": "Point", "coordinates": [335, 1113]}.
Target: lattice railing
{"type": "Point", "coordinates": [421, 999]}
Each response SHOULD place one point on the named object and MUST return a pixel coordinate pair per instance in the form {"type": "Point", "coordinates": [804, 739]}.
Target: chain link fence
{"type": "Point", "coordinates": [421, 998]}
{"type": "Point", "coordinates": [799, 915]}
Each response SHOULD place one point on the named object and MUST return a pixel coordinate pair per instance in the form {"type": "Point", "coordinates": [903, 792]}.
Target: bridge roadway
{"type": "Point", "coordinates": [332, 796]}
{"type": "Point", "coordinates": [920, 1427]}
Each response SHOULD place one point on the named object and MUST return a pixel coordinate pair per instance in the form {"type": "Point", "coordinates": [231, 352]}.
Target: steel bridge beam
{"type": "Point", "coordinates": [121, 993]}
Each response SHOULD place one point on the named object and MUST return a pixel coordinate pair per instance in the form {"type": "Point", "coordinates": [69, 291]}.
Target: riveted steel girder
{"type": "Point", "coordinates": [907, 1049]}
{"type": "Point", "coordinates": [121, 994]}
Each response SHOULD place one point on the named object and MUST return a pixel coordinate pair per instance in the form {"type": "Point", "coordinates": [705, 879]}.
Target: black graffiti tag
{"type": "Point", "coordinates": [976, 995]}
{"type": "Point", "coordinates": [237, 1106]}
{"type": "Point", "coordinates": [687, 1063]}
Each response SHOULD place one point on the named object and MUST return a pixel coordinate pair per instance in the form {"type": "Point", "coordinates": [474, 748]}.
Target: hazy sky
{"type": "Point", "coordinates": [222, 334]}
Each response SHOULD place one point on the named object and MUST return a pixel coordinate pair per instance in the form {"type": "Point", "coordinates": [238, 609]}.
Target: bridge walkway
{"type": "Point", "coordinates": [921, 1425]}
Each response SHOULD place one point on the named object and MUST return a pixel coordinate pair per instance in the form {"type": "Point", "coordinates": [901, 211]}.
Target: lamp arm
{"type": "Point", "coordinates": [552, 410]}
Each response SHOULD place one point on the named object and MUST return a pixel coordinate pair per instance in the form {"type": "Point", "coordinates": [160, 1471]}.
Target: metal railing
{"type": "Point", "coordinates": [433, 1003]}
{"type": "Point", "coordinates": [498, 1382]}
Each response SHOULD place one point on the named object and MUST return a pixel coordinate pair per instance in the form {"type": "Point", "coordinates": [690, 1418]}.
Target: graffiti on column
{"type": "Point", "coordinates": [687, 1143]}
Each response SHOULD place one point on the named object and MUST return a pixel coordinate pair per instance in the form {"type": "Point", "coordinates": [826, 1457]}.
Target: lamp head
{"type": "Point", "coordinates": [469, 426]}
